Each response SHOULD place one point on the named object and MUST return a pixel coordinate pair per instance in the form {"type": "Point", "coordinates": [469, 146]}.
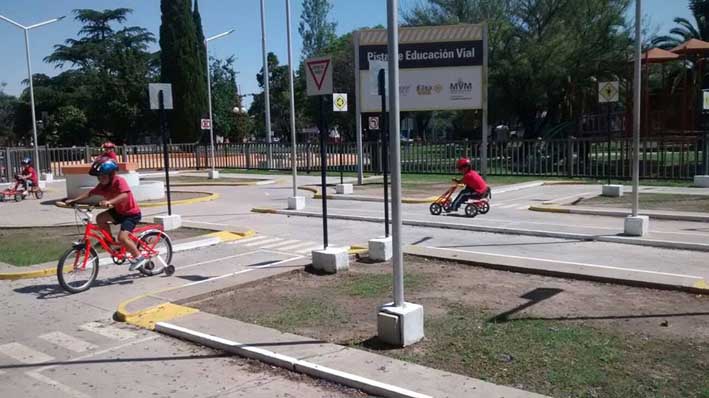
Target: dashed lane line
{"type": "Point", "coordinates": [71, 343]}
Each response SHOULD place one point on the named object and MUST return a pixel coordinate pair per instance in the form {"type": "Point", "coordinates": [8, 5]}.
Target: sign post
{"type": "Point", "coordinates": [609, 93]}
{"type": "Point", "coordinates": [319, 83]}
{"type": "Point", "coordinates": [161, 100]}
{"type": "Point", "coordinates": [385, 152]}
{"type": "Point", "coordinates": [339, 104]}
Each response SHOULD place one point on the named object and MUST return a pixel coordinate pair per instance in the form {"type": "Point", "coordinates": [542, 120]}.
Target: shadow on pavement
{"type": "Point", "coordinates": [52, 291]}
{"type": "Point", "coordinates": [115, 360]}
{"type": "Point", "coordinates": [535, 296]}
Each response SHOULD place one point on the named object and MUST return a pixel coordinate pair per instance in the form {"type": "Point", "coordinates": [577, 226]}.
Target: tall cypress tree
{"type": "Point", "coordinates": [179, 65]}
{"type": "Point", "coordinates": [201, 79]}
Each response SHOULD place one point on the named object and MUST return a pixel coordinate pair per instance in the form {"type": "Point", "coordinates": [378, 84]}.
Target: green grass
{"type": "Point", "coordinates": [376, 285]}
{"type": "Point", "coordinates": [23, 247]}
{"type": "Point", "coordinates": [654, 201]}
{"type": "Point", "coordinates": [561, 359]}
{"type": "Point", "coordinates": [301, 312]}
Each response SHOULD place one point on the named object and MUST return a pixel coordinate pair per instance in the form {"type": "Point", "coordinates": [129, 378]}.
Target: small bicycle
{"type": "Point", "coordinates": [20, 194]}
{"type": "Point", "coordinates": [78, 267]}
{"type": "Point", "coordinates": [473, 207]}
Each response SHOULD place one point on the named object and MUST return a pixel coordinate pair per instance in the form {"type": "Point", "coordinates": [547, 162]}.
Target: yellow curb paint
{"type": "Point", "coordinates": [702, 284]}
{"type": "Point", "coordinates": [263, 210]}
{"type": "Point", "coordinates": [210, 197]}
{"type": "Point", "coordinates": [310, 189]}
{"type": "Point", "coordinates": [148, 317]}
{"type": "Point", "coordinates": [226, 236]}
{"type": "Point", "coordinates": [13, 276]}
{"type": "Point", "coordinates": [357, 249]}
{"type": "Point", "coordinates": [430, 199]}
{"type": "Point", "coordinates": [550, 209]}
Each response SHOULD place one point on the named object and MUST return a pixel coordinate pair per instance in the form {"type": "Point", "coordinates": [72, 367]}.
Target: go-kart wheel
{"type": "Point", "coordinates": [169, 270]}
{"type": "Point", "coordinates": [484, 208]}
{"type": "Point", "coordinates": [38, 194]}
{"type": "Point", "coordinates": [18, 197]}
{"type": "Point", "coordinates": [436, 209]}
{"type": "Point", "coordinates": [471, 210]}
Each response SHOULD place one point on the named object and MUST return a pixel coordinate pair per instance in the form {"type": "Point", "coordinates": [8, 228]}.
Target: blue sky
{"type": "Point", "coordinates": [217, 16]}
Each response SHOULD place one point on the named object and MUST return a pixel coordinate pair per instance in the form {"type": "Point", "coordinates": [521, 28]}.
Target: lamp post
{"type": "Point", "coordinates": [29, 77]}
{"type": "Point", "coordinates": [266, 94]}
{"type": "Point", "coordinates": [213, 174]}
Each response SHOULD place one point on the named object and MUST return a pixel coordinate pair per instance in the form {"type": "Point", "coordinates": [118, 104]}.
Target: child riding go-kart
{"type": "Point", "coordinates": [476, 195]}
{"type": "Point", "coordinates": [25, 183]}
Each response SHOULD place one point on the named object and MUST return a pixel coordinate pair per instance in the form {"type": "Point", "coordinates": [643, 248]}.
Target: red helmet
{"type": "Point", "coordinates": [108, 144]}
{"type": "Point", "coordinates": [464, 162]}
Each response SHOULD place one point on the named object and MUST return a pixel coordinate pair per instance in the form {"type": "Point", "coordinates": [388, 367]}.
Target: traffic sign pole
{"type": "Point", "coordinates": [385, 161]}
{"type": "Point", "coordinates": [323, 170]}
{"type": "Point", "coordinates": [166, 156]}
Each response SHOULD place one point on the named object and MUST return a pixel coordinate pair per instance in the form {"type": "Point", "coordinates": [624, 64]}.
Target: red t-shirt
{"type": "Point", "coordinates": [474, 181]}
{"type": "Point", "coordinates": [110, 155]}
{"type": "Point", "coordinates": [29, 170]}
{"type": "Point", "coordinates": [128, 207]}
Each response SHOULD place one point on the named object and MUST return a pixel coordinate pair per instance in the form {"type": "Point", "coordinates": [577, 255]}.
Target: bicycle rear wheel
{"type": "Point", "coordinates": [73, 276]}
{"type": "Point", "coordinates": [159, 242]}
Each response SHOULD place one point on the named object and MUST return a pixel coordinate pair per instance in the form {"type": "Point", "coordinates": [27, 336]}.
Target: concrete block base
{"type": "Point", "coordinates": [380, 249]}
{"type": "Point", "coordinates": [169, 223]}
{"type": "Point", "coordinates": [400, 326]}
{"type": "Point", "coordinates": [701, 181]}
{"type": "Point", "coordinates": [612, 191]}
{"type": "Point", "coordinates": [296, 203]}
{"type": "Point", "coordinates": [213, 174]}
{"type": "Point", "coordinates": [331, 260]}
{"type": "Point", "coordinates": [637, 226]}
{"type": "Point", "coordinates": [344, 189]}
{"type": "Point", "coordinates": [48, 177]}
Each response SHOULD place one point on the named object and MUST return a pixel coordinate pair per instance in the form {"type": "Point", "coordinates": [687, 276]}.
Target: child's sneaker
{"type": "Point", "coordinates": [136, 263]}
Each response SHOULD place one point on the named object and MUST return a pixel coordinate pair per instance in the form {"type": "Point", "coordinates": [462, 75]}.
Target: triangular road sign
{"type": "Point", "coordinates": [319, 76]}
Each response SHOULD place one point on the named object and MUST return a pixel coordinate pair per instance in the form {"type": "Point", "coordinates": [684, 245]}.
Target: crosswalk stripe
{"type": "Point", "coordinates": [310, 249]}
{"type": "Point", "coordinates": [111, 332]}
{"type": "Point", "coordinates": [247, 240]}
{"type": "Point", "coordinates": [299, 245]}
{"type": "Point", "coordinates": [71, 343]}
{"type": "Point", "coordinates": [23, 353]}
{"type": "Point", "coordinates": [274, 245]}
{"type": "Point", "coordinates": [263, 242]}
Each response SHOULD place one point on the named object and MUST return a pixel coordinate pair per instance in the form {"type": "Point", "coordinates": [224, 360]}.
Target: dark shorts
{"type": "Point", "coordinates": [127, 223]}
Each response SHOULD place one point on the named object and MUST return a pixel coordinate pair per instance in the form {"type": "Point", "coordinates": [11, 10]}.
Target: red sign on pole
{"type": "Point", "coordinates": [319, 76]}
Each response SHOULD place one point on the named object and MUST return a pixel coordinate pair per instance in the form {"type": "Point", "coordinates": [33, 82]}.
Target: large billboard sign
{"type": "Point", "coordinates": [440, 67]}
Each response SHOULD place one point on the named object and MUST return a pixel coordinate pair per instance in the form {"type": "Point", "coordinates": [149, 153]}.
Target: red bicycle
{"type": "Point", "coordinates": [78, 267]}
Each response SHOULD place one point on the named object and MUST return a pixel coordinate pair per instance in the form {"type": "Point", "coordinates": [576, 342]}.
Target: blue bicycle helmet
{"type": "Point", "coordinates": [103, 166]}
{"type": "Point", "coordinates": [26, 161]}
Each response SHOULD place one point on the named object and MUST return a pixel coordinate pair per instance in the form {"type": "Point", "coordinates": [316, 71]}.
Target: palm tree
{"type": "Point", "coordinates": [687, 30]}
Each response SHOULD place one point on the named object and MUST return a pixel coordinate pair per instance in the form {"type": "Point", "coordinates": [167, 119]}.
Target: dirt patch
{"type": "Point", "coordinates": [29, 246]}
{"type": "Point", "coordinates": [549, 335]}
{"type": "Point", "coordinates": [653, 201]}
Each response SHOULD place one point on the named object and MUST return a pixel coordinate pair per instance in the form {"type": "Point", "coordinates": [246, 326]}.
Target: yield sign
{"type": "Point", "coordinates": [319, 76]}
{"type": "Point", "coordinates": [608, 92]}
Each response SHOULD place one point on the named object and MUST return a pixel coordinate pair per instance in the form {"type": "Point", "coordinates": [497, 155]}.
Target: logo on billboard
{"type": "Point", "coordinates": [461, 90]}
{"type": "Point", "coordinates": [438, 88]}
{"type": "Point", "coordinates": [423, 89]}
{"type": "Point", "coordinates": [404, 91]}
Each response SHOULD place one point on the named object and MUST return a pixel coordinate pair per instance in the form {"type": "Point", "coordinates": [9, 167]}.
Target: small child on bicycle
{"type": "Point", "coordinates": [109, 151]}
{"type": "Point", "coordinates": [123, 208]}
{"type": "Point", "coordinates": [475, 185]}
{"type": "Point", "coordinates": [28, 174]}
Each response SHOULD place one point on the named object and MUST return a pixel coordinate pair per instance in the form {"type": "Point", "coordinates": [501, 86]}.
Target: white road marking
{"type": "Point", "coordinates": [59, 386]}
{"type": "Point", "coordinates": [23, 353]}
{"type": "Point", "coordinates": [109, 331]}
{"type": "Point", "coordinates": [570, 263]}
{"type": "Point", "coordinates": [71, 343]}
{"type": "Point", "coordinates": [242, 271]}
{"type": "Point", "coordinates": [299, 245]}
{"type": "Point", "coordinates": [217, 260]}
{"type": "Point", "coordinates": [274, 245]}
{"type": "Point", "coordinates": [263, 242]}
{"type": "Point", "coordinates": [309, 250]}
{"type": "Point", "coordinates": [240, 241]}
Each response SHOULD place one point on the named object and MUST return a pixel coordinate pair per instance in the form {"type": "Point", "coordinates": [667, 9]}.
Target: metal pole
{"type": "Point", "coordinates": [209, 101]}
{"type": "Point", "coordinates": [266, 93]}
{"type": "Point", "coordinates": [292, 102]}
{"type": "Point", "coordinates": [483, 145]}
{"type": "Point", "coordinates": [166, 157]}
{"type": "Point", "coordinates": [393, 50]}
{"type": "Point", "coordinates": [34, 117]}
{"type": "Point", "coordinates": [323, 172]}
{"type": "Point", "coordinates": [610, 139]}
{"type": "Point", "coordinates": [358, 113]}
{"type": "Point", "coordinates": [636, 109]}
{"type": "Point", "coordinates": [385, 147]}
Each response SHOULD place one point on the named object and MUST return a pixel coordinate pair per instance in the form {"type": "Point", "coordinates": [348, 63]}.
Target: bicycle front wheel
{"type": "Point", "coordinates": [77, 270]}
{"type": "Point", "coordinates": [157, 247]}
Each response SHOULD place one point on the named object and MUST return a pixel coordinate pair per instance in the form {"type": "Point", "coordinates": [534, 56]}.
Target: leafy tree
{"type": "Point", "coordinates": [280, 100]}
{"type": "Point", "coordinates": [225, 99]}
{"type": "Point", "coordinates": [180, 66]}
{"type": "Point", "coordinates": [687, 30]}
{"type": "Point", "coordinates": [8, 103]}
{"type": "Point", "coordinates": [316, 31]}
{"type": "Point", "coordinates": [201, 78]}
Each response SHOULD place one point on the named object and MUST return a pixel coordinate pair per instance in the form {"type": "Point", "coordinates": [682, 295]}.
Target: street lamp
{"type": "Point", "coordinates": [266, 94]}
{"type": "Point", "coordinates": [213, 174]}
{"type": "Point", "coordinates": [29, 76]}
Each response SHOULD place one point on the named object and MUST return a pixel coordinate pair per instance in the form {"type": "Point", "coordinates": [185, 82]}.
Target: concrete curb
{"type": "Point", "coordinates": [207, 240]}
{"type": "Point", "coordinates": [616, 275]}
{"type": "Point", "coordinates": [211, 196]}
{"type": "Point", "coordinates": [508, 231]}
{"type": "Point", "coordinates": [290, 363]}
{"type": "Point", "coordinates": [618, 213]}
